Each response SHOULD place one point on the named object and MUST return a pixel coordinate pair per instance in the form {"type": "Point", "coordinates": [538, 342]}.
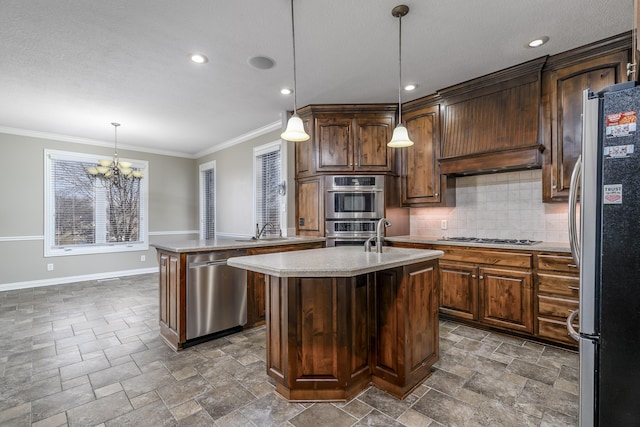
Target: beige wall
{"type": "Point", "coordinates": [234, 186]}
{"type": "Point", "coordinates": [172, 208]}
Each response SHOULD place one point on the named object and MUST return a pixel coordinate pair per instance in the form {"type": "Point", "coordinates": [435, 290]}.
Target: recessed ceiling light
{"type": "Point", "coordinates": [261, 62]}
{"type": "Point", "coordinates": [410, 87]}
{"type": "Point", "coordinates": [198, 58]}
{"type": "Point", "coordinates": [538, 42]}
{"type": "Point", "coordinates": [286, 91]}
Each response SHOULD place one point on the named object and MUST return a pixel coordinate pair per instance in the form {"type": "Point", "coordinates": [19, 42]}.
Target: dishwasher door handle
{"type": "Point", "coordinates": [208, 263]}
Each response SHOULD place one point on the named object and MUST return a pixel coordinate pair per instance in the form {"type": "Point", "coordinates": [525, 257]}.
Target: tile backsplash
{"type": "Point", "coordinates": [502, 205]}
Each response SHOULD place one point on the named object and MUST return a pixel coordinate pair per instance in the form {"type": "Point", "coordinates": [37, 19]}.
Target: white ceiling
{"type": "Point", "coordinates": [70, 67]}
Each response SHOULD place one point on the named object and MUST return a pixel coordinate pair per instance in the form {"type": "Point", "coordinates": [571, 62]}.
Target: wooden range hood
{"type": "Point", "coordinates": [491, 123]}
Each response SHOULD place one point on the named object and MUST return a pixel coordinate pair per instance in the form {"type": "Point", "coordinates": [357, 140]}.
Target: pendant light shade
{"type": "Point", "coordinates": [400, 137]}
{"type": "Point", "coordinates": [295, 128]}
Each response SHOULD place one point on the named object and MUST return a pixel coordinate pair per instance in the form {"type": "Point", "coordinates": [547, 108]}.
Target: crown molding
{"type": "Point", "coordinates": [242, 138]}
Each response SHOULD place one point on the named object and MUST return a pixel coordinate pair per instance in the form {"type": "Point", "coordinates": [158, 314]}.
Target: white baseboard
{"type": "Point", "coordinates": [71, 279]}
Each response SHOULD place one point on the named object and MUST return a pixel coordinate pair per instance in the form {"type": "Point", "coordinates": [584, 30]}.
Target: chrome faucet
{"type": "Point", "coordinates": [260, 231]}
{"type": "Point", "coordinates": [379, 238]}
{"type": "Point", "coordinates": [380, 233]}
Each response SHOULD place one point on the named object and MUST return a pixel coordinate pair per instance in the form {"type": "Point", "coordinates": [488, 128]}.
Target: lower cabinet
{"type": "Point", "coordinates": [173, 291]}
{"type": "Point", "coordinates": [527, 293]}
{"type": "Point", "coordinates": [506, 299]}
{"type": "Point", "coordinates": [558, 294]}
{"type": "Point", "coordinates": [330, 337]}
{"type": "Point", "coordinates": [256, 288]}
{"type": "Point", "coordinates": [404, 326]}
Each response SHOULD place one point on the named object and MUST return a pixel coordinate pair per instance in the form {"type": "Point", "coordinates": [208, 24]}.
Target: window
{"type": "Point", "coordinates": [208, 200]}
{"type": "Point", "coordinates": [87, 215]}
{"type": "Point", "coordinates": [269, 188]}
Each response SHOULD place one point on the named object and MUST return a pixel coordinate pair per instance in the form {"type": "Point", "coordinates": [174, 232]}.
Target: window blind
{"type": "Point", "coordinates": [268, 183]}
{"type": "Point", "coordinates": [207, 203]}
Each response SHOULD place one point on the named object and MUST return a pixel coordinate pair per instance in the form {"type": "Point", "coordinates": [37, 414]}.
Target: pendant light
{"type": "Point", "coordinates": [400, 136]}
{"type": "Point", "coordinates": [295, 128]}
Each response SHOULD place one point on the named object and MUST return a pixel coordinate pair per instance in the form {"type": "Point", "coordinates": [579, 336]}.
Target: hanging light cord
{"type": "Point", "coordinates": [293, 31]}
{"type": "Point", "coordinates": [400, 69]}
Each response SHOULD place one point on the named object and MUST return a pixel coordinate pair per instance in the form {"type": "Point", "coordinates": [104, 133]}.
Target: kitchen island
{"type": "Point", "coordinates": [339, 319]}
{"type": "Point", "coordinates": [188, 314]}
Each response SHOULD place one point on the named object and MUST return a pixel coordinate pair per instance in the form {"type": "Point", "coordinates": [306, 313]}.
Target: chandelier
{"type": "Point", "coordinates": [114, 171]}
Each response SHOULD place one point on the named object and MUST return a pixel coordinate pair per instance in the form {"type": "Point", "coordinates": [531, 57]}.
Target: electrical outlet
{"type": "Point", "coordinates": [49, 267]}
{"type": "Point", "coordinates": [443, 224]}
{"type": "Point", "coordinates": [143, 258]}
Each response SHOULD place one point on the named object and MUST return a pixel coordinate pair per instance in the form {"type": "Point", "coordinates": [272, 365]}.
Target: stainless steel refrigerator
{"type": "Point", "coordinates": [606, 246]}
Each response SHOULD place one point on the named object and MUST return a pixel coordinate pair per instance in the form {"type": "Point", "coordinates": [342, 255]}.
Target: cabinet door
{"type": "Point", "coordinates": [335, 148]}
{"type": "Point", "coordinates": [304, 152]}
{"type": "Point", "coordinates": [506, 299]}
{"type": "Point", "coordinates": [172, 299]}
{"type": "Point", "coordinates": [564, 88]}
{"type": "Point", "coordinates": [310, 208]}
{"type": "Point", "coordinates": [421, 181]}
{"type": "Point", "coordinates": [459, 290]}
{"type": "Point", "coordinates": [370, 150]}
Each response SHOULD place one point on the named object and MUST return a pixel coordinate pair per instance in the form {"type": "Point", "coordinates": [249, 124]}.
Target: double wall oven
{"type": "Point", "coordinates": [354, 204]}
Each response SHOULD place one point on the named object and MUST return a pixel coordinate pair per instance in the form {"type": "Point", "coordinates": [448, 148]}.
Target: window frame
{"type": "Point", "coordinates": [50, 249]}
{"type": "Point", "coordinates": [201, 197]}
{"type": "Point", "coordinates": [264, 149]}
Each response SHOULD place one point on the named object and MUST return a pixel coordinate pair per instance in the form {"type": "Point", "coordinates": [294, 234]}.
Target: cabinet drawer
{"type": "Point", "coordinates": [558, 307]}
{"type": "Point", "coordinates": [557, 263]}
{"type": "Point", "coordinates": [474, 256]}
{"type": "Point", "coordinates": [555, 330]}
{"type": "Point", "coordinates": [564, 286]}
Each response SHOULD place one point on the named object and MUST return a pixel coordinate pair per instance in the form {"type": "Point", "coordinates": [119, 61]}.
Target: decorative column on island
{"type": "Point", "coordinates": [339, 319]}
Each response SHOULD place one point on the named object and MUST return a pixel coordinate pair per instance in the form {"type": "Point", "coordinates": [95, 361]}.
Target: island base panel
{"type": "Point", "coordinates": [329, 338]}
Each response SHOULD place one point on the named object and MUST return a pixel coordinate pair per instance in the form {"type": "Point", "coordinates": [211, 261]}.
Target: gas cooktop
{"type": "Point", "coordinates": [522, 242]}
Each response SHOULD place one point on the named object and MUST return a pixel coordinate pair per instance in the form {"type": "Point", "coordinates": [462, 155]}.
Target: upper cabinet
{"type": "Point", "coordinates": [421, 181]}
{"type": "Point", "coordinates": [491, 123]}
{"type": "Point", "coordinates": [348, 138]}
{"type": "Point", "coordinates": [304, 150]}
{"type": "Point", "coordinates": [565, 77]}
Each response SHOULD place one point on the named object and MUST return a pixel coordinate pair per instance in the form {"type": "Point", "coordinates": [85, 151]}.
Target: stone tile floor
{"type": "Point", "coordinates": [88, 353]}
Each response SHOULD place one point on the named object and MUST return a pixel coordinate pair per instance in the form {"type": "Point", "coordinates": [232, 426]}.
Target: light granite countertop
{"type": "Point", "coordinates": [431, 240]}
{"type": "Point", "coordinates": [340, 261]}
{"type": "Point", "coordinates": [229, 243]}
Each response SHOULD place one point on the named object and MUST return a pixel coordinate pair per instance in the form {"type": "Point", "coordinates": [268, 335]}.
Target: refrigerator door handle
{"type": "Point", "coordinates": [572, 331]}
{"type": "Point", "coordinates": [574, 240]}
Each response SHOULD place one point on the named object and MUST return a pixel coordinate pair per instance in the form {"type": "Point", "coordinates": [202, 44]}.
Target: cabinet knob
{"type": "Point", "coordinates": [554, 186]}
{"type": "Point", "coordinates": [573, 288]}
{"type": "Point", "coordinates": [481, 277]}
{"type": "Point", "coordinates": [437, 194]}
{"type": "Point", "coordinates": [473, 276]}
{"type": "Point", "coordinates": [350, 164]}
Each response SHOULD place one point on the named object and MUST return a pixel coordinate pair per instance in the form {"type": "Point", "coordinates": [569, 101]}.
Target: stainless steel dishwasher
{"type": "Point", "coordinates": [216, 293]}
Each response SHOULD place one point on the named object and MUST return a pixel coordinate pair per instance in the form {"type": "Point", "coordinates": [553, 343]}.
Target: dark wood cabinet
{"type": "Point", "coordinates": [459, 297]}
{"type": "Point", "coordinates": [421, 181]}
{"type": "Point", "coordinates": [256, 287]}
{"type": "Point", "coordinates": [304, 151]}
{"type": "Point", "coordinates": [348, 142]}
{"type": "Point", "coordinates": [173, 321]}
{"type": "Point", "coordinates": [310, 207]}
{"type": "Point", "coordinates": [506, 299]}
{"type": "Point", "coordinates": [330, 337]}
{"type": "Point", "coordinates": [558, 294]}
{"type": "Point", "coordinates": [405, 311]}
{"type": "Point", "coordinates": [565, 77]}
{"type": "Point", "coordinates": [346, 138]}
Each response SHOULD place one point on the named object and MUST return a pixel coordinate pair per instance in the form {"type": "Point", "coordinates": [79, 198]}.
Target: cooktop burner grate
{"type": "Point", "coordinates": [522, 242]}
